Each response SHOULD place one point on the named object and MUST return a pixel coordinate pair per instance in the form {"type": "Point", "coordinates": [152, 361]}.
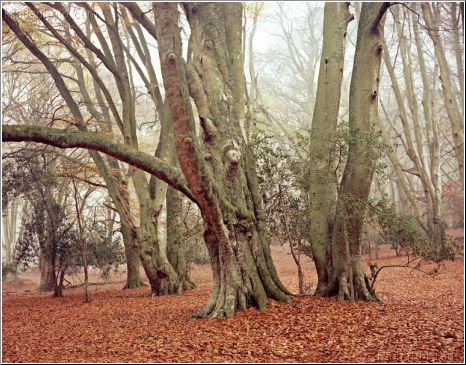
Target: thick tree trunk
{"type": "Point", "coordinates": [218, 170]}
{"type": "Point", "coordinates": [347, 279]}
{"type": "Point", "coordinates": [143, 249]}
{"type": "Point", "coordinates": [163, 279]}
{"type": "Point", "coordinates": [323, 180]}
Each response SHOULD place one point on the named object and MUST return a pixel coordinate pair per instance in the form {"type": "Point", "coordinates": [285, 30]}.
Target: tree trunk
{"type": "Point", "coordinates": [219, 170]}
{"type": "Point", "coordinates": [451, 103]}
{"type": "Point", "coordinates": [133, 277]}
{"type": "Point", "coordinates": [9, 222]}
{"type": "Point", "coordinates": [414, 148]}
{"type": "Point", "coordinates": [162, 277]}
{"type": "Point", "coordinates": [176, 243]}
{"type": "Point", "coordinates": [435, 224]}
{"type": "Point", "coordinates": [458, 47]}
{"type": "Point", "coordinates": [47, 272]}
{"type": "Point", "coordinates": [323, 180]}
{"type": "Point", "coordinates": [357, 177]}
{"type": "Point", "coordinates": [58, 284]}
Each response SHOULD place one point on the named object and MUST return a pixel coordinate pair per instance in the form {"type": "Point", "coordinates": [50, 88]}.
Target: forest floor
{"type": "Point", "coordinates": [421, 319]}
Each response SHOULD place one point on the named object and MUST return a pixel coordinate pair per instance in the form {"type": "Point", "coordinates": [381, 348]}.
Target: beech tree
{"type": "Point", "coordinates": [431, 16]}
{"type": "Point", "coordinates": [195, 87]}
{"type": "Point", "coordinates": [413, 139]}
{"type": "Point", "coordinates": [323, 182]}
{"type": "Point", "coordinates": [219, 168]}
{"type": "Point", "coordinates": [347, 278]}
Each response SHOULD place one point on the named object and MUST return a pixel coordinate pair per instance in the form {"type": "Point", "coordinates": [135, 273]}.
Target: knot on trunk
{"type": "Point", "coordinates": [162, 272]}
{"type": "Point", "coordinates": [231, 160]}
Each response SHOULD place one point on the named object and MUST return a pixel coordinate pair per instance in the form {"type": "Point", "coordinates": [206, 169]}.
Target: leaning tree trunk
{"type": "Point", "coordinates": [414, 146]}
{"type": "Point", "coordinates": [348, 278]}
{"type": "Point", "coordinates": [323, 180]}
{"type": "Point", "coordinates": [218, 169]}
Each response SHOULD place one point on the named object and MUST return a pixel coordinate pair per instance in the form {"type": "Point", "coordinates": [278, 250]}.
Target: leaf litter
{"type": "Point", "coordinates": [420, 320]}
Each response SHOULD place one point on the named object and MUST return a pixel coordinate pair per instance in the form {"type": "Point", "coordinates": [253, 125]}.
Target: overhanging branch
{"type": "Point", "coordinates": [91, 141]}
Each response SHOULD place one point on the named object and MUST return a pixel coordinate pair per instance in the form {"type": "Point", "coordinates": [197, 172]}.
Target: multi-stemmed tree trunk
{"type": "Point", "coordinates": [219, 168]}
{"type": "Point", "coordinates": [323, 179]}
{"type": "Point", "coordinates": [347, 278]}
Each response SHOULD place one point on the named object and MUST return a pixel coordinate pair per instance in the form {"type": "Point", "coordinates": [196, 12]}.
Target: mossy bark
{"type": "Point", "coordinates": [162, 277]}
{"type": "Point", "coordinates": [347, 278]}
{"type": "Point", "coordinates": [133, 277]}
{"type": "Point", "coordinates": [218, 168]}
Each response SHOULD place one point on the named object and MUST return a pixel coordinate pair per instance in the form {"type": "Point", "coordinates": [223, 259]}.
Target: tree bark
{"type": "Point", "coordinates": [133, 278]}
{"type": "Point", "coordinates": [9, 222]}
{"type": "Point", "coordinates": [47, 272]}
{"type": "Point", "coordinates": [323, 180]}
{"type": "Point", "coordinates": [176, 242]}
{"type": "Point", "coordinates": [219, 171]}
{"type": "Point", "coordinates": [357, 177]}
{"type": "Point", "coordinates": [458, 47]}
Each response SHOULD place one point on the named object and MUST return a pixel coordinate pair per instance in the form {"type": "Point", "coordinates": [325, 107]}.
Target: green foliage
{"type": "Point", "coordinates": [49, 230]}
{"type": "Point", "coordinates": [283, 183]}
{"type": "Point", "coordinates": [403, 229]}
{"type": "Point", "coordinates": [284, 179]}
{"type": "Point", "coordinates": [104, 252]}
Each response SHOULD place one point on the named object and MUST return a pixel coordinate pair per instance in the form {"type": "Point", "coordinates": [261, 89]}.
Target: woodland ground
{"type": "Point", "coordinates": [420, 320]}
